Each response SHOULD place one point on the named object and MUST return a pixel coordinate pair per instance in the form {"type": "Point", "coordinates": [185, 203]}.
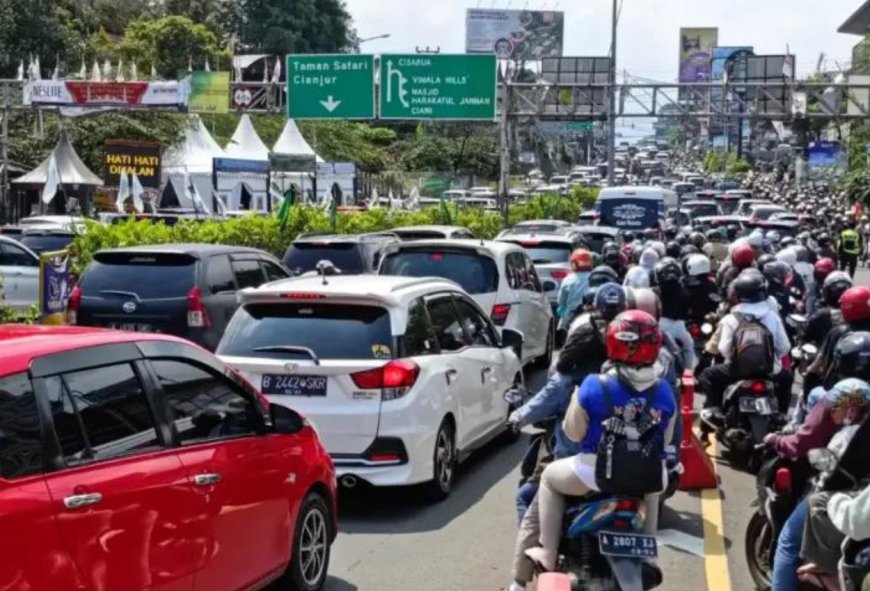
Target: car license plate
{"type": "Point", "coordinates": [284, 385]}
{"type": "Point", "coordinates": [627, 545]}
{"type": "Point", "coordinates": [132, 327]}
{"type": "Point", "coordinates": [747, 404]}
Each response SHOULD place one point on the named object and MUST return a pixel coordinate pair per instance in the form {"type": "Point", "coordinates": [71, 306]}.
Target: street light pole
{"type": "Point", "coordinates": [611, 104]}
{"type": "Point", "coordinates": [367, 39]}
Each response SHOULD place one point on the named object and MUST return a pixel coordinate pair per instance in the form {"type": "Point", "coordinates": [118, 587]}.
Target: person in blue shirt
{"type": "Point", "coordinates": [574, 287]}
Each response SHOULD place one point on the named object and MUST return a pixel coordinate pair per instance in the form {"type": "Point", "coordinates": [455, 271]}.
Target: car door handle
{"type": "Point", "coordinates": [451, 375]}
{"type": "Point", "coordinates": [79, 501]}
{"type": "Point", "coordinates": [207, 479]}
{"type": "Point", "coordinates": [485, 373]}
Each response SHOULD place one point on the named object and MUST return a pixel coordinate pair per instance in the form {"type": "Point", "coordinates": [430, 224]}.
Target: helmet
{"type": "Point", "coordinates": [742, 256]}
{"type": "Point", "coordinates": [670, 232]}
{"type": "Point", "coordinates": [787, 241]}
{"type": "Point", "coordinates": [776, 273]}
{"type": "Point", "coordinates": [823, 268]}
{"type": "Point", "coordinates": [855, 304]}
{"type": "Point", "coordinates": [628, 236]}
{"type": "Point", "coordinates": [773, 237]}
{"type": "Point", "coordinates": [668, 270]}
{"type": "Point", "coordinates": [756, 239]}
{"type": "Point", "coordinates": [609, 300]}
{"type": "Point", "coordinates": [824, 240]}
{"type": "Point", "coordinates": [697, 265]}
{"type": "Point", "coordinates": [788, 256]}
{"type": "Point", "coordinates": [689, 250]}
{"type": "Point", "coordinates": [581, 260]}
{"type": "Point", "coordinates": [852, 356]}
{"type": "Point", "coordinates": [834, 286]}
{"type": "Point", "coordinates": [609, 247]}
{"type": "Point", "coordinates": [750, 287]}
{"type": "Point", "coordinates": [802, 253]}
{"type": "Point", "coordinates": [673, 249]}
{"type": "Point", "coordinates": [697, 240]}
{"type": "Point", "coordinates": [650, 234]}
{"type": "Point", "coordinates": [659, 247]}
{"type": "Point", "coordinates": [634, 338]}
{"type": "Point", "coordinates": [715, 235]}
{"type": "Point", "coordinates": [764, 259]}
{"type": "Point", "coordinates": [732, 231]}
{"type": "Point", "coordinates": [601, 275]}
{"type": "Point", "coordinates": [645, 300]}
{"type": "Point", "coordinates": [681, 239]}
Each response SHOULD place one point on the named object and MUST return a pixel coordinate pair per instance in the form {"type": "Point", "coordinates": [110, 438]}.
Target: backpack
{"type": "Point", "coordinates": [752, 354]}
{"type": "Point", "coordinates": [629, 456]}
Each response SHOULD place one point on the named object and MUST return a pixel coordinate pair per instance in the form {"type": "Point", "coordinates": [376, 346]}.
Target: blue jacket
{"type": "Point", "coordinates": [571, 293]}
{"type": "Point", "coordinates": [551, 402]}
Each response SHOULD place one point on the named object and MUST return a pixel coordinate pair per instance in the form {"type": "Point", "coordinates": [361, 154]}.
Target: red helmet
{"type": "Point", "coordinates": [634, 338]}
{"type": "Point", "coordinates": [823, 268]}
{"type": "Point", "coordinates": [855, 304]}
{"type": "Point", "coordinates": [581, 260]}
{"type": "Point", "coordinates": [742, 256]}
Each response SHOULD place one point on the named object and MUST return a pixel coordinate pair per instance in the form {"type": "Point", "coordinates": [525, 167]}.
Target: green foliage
{"type": "Point", "coordinates": [857, 185]}
{"type": "Point", "coordinates": [720, 161]}
{"type": "Point", "coordinates": [41, 28]}
{"type": "Point", "coordinates": [170, 43]}
{"type": "Point", "coordinates": [294, 26]}
{"type": "Point", "coordinates": [462, 150]}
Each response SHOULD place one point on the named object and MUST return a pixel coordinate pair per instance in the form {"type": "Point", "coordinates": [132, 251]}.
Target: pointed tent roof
{"type": "Point", "coordinates": [71, 168]}
{"type": "Point", "coordinates": [195, 152]}
{"type": "Point", "coordinates": [291, 142]}
{"type": "Point", "coordinates": [246, 143]}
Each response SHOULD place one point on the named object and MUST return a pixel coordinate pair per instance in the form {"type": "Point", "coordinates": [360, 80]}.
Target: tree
{"type": "Point", "coordinates": [211, 13]}
{"type": "Point", "coordinates": [169, 44]}
{"type": "Point", "coordinates": [294, 26]}
{"type": "Point", "coordinates": [38, 28]}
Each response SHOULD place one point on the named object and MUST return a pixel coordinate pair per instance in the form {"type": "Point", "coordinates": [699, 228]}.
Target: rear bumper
{"type": "Point", "coordinates": [380, 475]}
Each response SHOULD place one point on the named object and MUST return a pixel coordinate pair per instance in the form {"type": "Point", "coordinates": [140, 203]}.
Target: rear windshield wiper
{"type": "Point", "coordinates": [128, 294]}
{"type": "Point", "coordinates": [289, 349]}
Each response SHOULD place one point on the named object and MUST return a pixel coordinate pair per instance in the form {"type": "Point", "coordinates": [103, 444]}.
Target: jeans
{"type": "Point", "coordinates": [525, 495]}
{"type": "Point", "coordinates": [848, 261]}
{"type": "Point", "coordinates": [788, 551]}
{"type": "Point", "coordinates": [680, 334]}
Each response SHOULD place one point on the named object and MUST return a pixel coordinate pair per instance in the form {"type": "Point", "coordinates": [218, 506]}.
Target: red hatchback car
{"type": "Point", "coordinates": [132, 462]}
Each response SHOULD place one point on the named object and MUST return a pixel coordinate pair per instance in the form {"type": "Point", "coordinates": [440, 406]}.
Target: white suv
{"type": "Point", "coordinates": [401, 377]}
{"type": "Point", "coordinates": [499, 276]}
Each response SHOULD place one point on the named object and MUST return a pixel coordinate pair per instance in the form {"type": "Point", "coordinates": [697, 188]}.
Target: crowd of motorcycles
{"type": "Point", "coordinates": [605, 542]}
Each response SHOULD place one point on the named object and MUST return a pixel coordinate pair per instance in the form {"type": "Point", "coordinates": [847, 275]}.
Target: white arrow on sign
{"type": "Point", "coordinates": [330, 104]}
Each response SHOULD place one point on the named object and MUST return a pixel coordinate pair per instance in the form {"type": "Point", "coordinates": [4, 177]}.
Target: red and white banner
{"type": "Point", "coordinates": [68, 92]}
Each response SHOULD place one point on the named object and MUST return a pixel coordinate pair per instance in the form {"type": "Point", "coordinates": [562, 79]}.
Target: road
{"type": "Point", "coordinates": [392, 541]}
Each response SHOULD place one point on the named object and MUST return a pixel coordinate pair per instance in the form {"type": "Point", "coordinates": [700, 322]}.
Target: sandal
{"type": "Point", "coordinates": [543, 562]}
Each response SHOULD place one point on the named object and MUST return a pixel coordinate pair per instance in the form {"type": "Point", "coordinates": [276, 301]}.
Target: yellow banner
{"type": "Point", "coordinates": [209, 92]}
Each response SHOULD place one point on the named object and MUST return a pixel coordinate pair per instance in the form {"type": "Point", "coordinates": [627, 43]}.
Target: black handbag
{"type": "Point", "coordinates": [629, 456]}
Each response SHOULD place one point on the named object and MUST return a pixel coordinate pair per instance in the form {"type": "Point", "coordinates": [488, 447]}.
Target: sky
{"type": "Point", "coordinates": [648, 30]}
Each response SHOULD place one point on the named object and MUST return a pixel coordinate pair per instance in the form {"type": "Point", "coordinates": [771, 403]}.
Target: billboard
{"type": "Point", "coordinates": [209, 92]}
{"type": "Point", "coordinates": [142, 158]}
{"type": "Point", "coordinates": [521, 35]}
{"type": "Point", "coordinates": [721, 56]}
{"type": "Point", "coordinates": [696, 53]}
{"type": "Point", "coordinates": [84, 93]}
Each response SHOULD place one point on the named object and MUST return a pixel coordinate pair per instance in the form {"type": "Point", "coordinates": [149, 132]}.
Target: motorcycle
{"type": "Point", "coordinates": [803, 354]}
{"type": "Point", "coordinates": [602, 549]}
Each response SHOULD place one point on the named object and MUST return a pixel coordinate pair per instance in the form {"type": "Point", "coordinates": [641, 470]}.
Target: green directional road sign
{"type": "Point", "coordinates": [420, 86]}
{"type": "Point", "coordinates": [579, 125]}
{"type": "Point", "coordinates": [330, 86]}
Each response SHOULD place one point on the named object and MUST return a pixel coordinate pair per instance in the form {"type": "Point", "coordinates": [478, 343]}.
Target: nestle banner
{"type": "Point", "coordinates": [142, 158]}
{"type": "Point", "coordinates": [68, 92]}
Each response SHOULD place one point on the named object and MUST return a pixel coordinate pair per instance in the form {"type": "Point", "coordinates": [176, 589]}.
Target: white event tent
{"type": "Point", "coordinates": [244, 145]}
{"type": "Point", "coordinates": [194, 156]}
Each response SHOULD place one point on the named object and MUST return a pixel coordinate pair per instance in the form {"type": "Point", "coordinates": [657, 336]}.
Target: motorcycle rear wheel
{"type": "Point", "coordinates": [760, 546]}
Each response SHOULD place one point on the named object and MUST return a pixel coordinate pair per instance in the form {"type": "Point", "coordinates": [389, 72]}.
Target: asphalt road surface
{"type": "Point", "coordinates": [391, 540]}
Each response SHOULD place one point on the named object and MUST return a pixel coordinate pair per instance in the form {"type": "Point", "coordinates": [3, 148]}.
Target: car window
{"type": "Point", "coordinates": [476, 326]}
{"type": "Point", "coordinates": [20, 439]}
{"type": "Point", "coordinates": [304, 256]}
{"type": "Point", "coordinates": [101, 413]}
{"type": "Point", "coordinates": [476, 273]}
{"type": "Point", "coordinates": [330, 331]}
{"type": "Point", "coordinates": [446, 324]}
{"type": "Point", "coordinates": [149, 275]}
{"type": "Point", "coordinates": [219, 275]}
{"type": "Point", "coordinates": [419, 338]}
{"type": "Point", "coordinates": [530, 281]}
{"type": "Point", "coordinates": [39, 243]}
{"type": "Point", "coordinates": [516, 270]}
{"type": "Point", "coordinates": [248, 273]}
{"type": "Point", "coordinates": [273, 272]}
{"type": "Point", "coordinates": [14, 256]}
{"type": "Point", "coordinates": [546, 252]}
{"type": "Point", "coordinates": [204, 406]}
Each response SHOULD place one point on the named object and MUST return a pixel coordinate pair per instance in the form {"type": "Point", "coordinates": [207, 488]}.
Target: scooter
{"type": "Point", "coordinates": [803, 354]}
{"type": "Point", "coordinates": [602, 549]}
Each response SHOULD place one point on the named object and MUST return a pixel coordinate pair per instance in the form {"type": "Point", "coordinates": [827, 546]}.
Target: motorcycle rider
{"type": "Point", "coordinates": [675, 300]}
{"type": "Point", "coordinates": [701, 287]}
{"type": "Point", "coordinates": [574, 287]}
{"type": "Point", "coordinates": [821, 269]}
{"type": "Point", "coordinates": [778, 276]}
{"type": "Point", "coordinates": [750, 289]}
{"type": "Point", "coordinates": [631, 395]}
{"type": "Point", "coordinates": [639, 275]}
{"type": "Point", "coordinates": [716, 248]}
{"type": "Point", "coordinates": [826, 247]}
{"type": "Point", "coordinates": [825, 318]}
{"type": "Point", "coordinates": [849, 247]}
{"type": "Point", "coordinates": [742, 257]}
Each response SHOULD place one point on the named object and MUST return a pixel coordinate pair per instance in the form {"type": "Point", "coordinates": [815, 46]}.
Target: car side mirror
{"type": "Point", "coordinates": [513, 339]}
{"type": "Point", "coordinates": [285, 421]}
{"type": "Point", "coordinates": [550, 286]}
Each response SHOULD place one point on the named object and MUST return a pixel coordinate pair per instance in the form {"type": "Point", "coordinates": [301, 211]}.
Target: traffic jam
{"type": "Point", "coordinates": [206, 408]}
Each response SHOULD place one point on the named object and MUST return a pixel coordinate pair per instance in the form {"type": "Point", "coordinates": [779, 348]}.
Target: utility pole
{"type": "Point", "coordinates": [4, 178]}
{"type": "Point", "coordinates": [611, 103]}
{"type": "Point", "coordinates": [505, 150]}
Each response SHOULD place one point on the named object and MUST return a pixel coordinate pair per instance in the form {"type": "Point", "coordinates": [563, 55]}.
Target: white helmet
{"type": "Point", "coordinates": [697, 265]}
{"type": "Point", "coordinates": [787, 256]}
{"type": "Point", "coordinates": [756, 239]}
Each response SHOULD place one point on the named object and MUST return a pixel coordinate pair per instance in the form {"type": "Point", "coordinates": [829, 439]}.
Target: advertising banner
{"type": "Point", "coordinates": [696, 53]}
{"type": "Point", "coordinates": [68, 92]}
{"type": "Point", "coordinates": [142, 158]}
{"type": "Point", "coordinates": [720, 58]}
{"type": "Point", "coordinates": [826, 158]}
{"type": "Point", "coordinates": [628, 213]}
{"type": "Point", "coordinates": [209, 92]}
{"type": "Point", "coordinates": [521, 35]}
{"type": "Point", "coordinates": [54, 286]}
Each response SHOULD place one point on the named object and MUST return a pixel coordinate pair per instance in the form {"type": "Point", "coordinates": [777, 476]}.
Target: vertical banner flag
{"type": "Point", "coordinates": [696, 53]}
{"type": "Point", "coordinates": [52, 181]}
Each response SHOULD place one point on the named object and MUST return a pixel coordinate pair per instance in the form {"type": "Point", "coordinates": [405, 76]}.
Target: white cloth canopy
{"type": "Point", "coordinates": [194, 153]}
{"type": "Point", "coordinates": [246, 143]}
{"type": "Point", "coordinates": [291, 142]}
{"type": "Point", "coordinates": [70, 167]}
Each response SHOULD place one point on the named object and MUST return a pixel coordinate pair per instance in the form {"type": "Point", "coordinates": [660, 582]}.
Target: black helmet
{"type": "Point", "coordinates": [673, 249]}
{"type": "Point", "coordinates": [689, 250]}
{"type": "Point", "coordinates": [832, 289]}
{"type": "Point", "coordinates": [786, 242]}
{"type": "Point", "coordinates": [668, 270]}
{"type": "Point", "coordinates": [697, 240]}
{"type": "Point", "coordinates": [803, 254]}
{"type": "Point", "coordinates": [715, 235]}
{"type": "Point", "coordinates": [681, 239]}
{"type": "Point", "coordinates": [609, 247]}
{"type": "Point", "coordinates": [750, 287]}
{"type": "Point", "coordinates": [824, 240]}
{"type": "Point", "coordinates": [650, 234]}
{"type": "Point", "coordinates": [670, 233]}
{"type": "Point", "coordinates": [764, 259]}
{"type": "Point", "coordinates": [628, 236]}
{"type": "Point", "coordinates": [776, 273]}
{"type": "Point", "coordinates": [732, 231]}
{"type": "Point", "coordinates": [852, 356]}
{"type": "Point", "coordinates": [612, 258]}
{"type": "Point", "coordinates": [601, 275]}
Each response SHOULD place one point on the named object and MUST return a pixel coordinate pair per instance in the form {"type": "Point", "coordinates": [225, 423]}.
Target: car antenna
{"type": "Point", "coordinates": [325, 268]}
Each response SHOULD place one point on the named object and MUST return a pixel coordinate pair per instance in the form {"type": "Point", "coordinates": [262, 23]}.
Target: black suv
{"type": "Point", "coordinates": [188, 290]}
{"type": "Point", "coordinates": [352, 254]}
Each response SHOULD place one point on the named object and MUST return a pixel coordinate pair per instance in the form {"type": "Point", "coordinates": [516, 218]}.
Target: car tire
{"type": "Point", "coordinates": [444, 462]}
{"type": "Point", "coordinates": [543, 362]}
{"type": "Point", "coordinates": [309, 562]}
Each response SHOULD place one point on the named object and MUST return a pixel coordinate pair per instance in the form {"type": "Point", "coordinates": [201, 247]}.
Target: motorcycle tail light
{"type": "Point", "coordinates": [782, 480]}
{"type": "Point", "coordinates": [695, 331]}
{"type": "Point", "coordinates": [758, 387]}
